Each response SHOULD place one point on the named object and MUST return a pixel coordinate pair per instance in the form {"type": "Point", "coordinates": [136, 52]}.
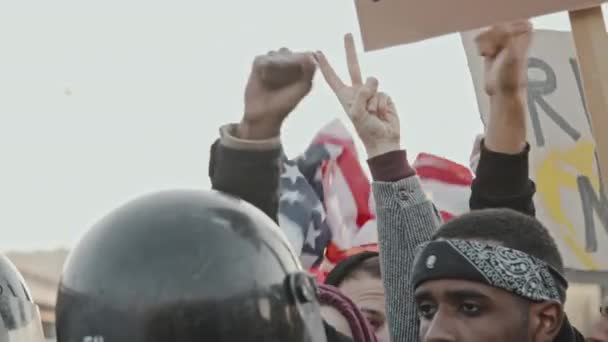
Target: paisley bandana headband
{"type": "Point", "coordinates": [496, 266]}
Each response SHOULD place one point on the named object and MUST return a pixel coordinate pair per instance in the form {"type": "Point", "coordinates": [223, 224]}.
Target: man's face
{"type": "Point", "coordinates": [457, 310]}
{"type": "Point", "coordinates": [367, 293]}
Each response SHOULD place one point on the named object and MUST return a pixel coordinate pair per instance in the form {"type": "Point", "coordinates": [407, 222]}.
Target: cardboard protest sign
{"type": "Point", "coordinates": [563, 160]}
{"type": "Point", "coordinates": [386, 23]}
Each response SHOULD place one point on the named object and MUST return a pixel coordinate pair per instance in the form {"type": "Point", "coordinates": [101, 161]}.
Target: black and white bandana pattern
{"type": "Point", "coordinates": [505, 268]}
{"type": "Point", "coordinates": [510, 269]}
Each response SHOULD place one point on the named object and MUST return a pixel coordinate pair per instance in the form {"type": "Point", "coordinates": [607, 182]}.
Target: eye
{"type": "Point", "coordinates": [373, 322]}
{"type": "Point", "coordinates": [426, 310]}
{"type": "Point", "coordinates": [470, 309]}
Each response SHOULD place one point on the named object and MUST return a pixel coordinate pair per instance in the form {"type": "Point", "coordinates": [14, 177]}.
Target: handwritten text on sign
{"type": "Point", "coordinates": [563, 161]}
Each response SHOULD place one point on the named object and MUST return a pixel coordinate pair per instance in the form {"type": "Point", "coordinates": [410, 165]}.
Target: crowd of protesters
{"type": "Point", "coordinates": [185, 266]}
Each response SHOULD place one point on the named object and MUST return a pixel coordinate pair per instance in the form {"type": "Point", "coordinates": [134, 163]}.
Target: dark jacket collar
{"type": "Point", "coordinates": [568, 333]}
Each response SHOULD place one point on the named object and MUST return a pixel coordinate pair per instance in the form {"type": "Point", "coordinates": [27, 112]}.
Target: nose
{"type": "Point", "coordinates": [438, 329]}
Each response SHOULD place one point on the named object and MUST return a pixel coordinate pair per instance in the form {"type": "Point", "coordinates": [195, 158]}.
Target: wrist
{"type": "Point", "coordinates": [258, 130]}
{"type": "Point", "coordinates": [510, 94]}
{"type": "Point", "coordinates": [375, 150]}
{"type": "Point", "coordinates": [511, 108]}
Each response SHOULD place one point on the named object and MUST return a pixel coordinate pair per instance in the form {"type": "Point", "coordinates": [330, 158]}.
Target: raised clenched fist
{"type": "Point", "coordinates": [505, 50]}
{"type": "Point", "coordinates": [278, 82]}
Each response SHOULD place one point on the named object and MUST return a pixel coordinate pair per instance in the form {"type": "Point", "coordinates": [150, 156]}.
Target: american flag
{"type": "Point", "coordinates": [326, 208]}
{"type": "Point", "coordinates": [446, 183]}
{"type": "Point", "coordinates": [325, 196]}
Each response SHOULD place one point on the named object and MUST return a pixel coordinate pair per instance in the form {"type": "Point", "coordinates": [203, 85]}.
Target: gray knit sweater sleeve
{"type": "Point", "coordinates": [406, 218]}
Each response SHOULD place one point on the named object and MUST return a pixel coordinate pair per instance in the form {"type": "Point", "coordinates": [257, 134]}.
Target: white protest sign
{"type": "Point", "coordinates": [563, 161]}
{"type": "Point", "coordinates": [386, 23]}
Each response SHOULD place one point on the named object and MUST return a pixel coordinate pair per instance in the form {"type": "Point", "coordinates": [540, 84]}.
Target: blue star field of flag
{"type": "Point", "coordinates": [301, 211]}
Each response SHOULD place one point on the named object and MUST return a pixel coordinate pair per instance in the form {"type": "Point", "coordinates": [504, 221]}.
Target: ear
{"type": "Point", "coordinates": [546, 321]}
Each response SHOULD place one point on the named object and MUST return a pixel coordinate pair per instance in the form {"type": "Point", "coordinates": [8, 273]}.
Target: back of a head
{"type": "Point", "coordinates": [186, 266]}
{"type": "Point", "coordinates": [19, 316]}
{"type": "Point", "coordinates": [507, 228]}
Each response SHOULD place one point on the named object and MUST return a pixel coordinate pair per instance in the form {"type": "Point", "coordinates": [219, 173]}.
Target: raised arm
{"type": "Point", "coordinates": [502, 179]}
{"type": "Point", "coordinates": [246, 161]}
{"type": "Point", "coordinates": [405, 216]}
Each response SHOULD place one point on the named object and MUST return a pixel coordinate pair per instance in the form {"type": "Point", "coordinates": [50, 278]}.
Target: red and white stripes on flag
{"type": "Point", "coordinates": [346, 197]}
{"type": "Point", "coordinates": [448, 184]}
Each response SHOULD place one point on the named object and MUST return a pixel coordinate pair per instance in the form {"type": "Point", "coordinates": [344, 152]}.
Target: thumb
{"type": "Point", "coordinates": [363, 95]}
{"type": "Point", "coordinates": [309, 66]}
{"type": "Point", "coordinates": [490, 41]}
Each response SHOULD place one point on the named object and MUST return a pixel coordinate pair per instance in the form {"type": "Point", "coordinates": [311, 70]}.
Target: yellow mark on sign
{"type": "Point", "coordinates": [559, 170]}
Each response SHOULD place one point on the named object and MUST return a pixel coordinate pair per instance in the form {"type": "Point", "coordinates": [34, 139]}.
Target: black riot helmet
{"type": "Point", "coordinates": [186, 266]}
{"type": "Point", "coordinates": [19, 316]}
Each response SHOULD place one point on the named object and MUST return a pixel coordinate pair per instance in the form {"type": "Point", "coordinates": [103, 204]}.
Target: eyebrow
{"type": "Point", "coordinates": [373, 312]}
{"type": "Point", "coordinates": [423, 295]}
{"type": "Point", "coordinates": [452, 295]}
{"type": "Point", "coordinates": [459, 295]}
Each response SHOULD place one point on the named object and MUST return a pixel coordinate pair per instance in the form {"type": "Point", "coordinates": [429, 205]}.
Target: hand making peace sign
{"type": "Point", "coordinates": [373, 113]}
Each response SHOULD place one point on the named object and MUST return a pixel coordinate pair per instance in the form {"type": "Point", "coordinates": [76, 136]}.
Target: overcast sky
{"type": "Point", "coordinates": [101, 101]}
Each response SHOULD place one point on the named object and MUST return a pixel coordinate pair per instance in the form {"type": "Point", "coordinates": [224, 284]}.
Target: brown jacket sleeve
{"type": "Point", "coordinates": [247, 170]}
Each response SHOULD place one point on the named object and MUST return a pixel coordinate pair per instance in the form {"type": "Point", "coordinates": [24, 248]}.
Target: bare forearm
{"type": "Point", "coordinates": [506, 127]}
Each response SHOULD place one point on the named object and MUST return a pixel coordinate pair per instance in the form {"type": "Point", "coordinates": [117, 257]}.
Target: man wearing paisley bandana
{"type": "Point", "coordinates": [491, 275]}
{"type": "Point", "coordinates": [496, 274]}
